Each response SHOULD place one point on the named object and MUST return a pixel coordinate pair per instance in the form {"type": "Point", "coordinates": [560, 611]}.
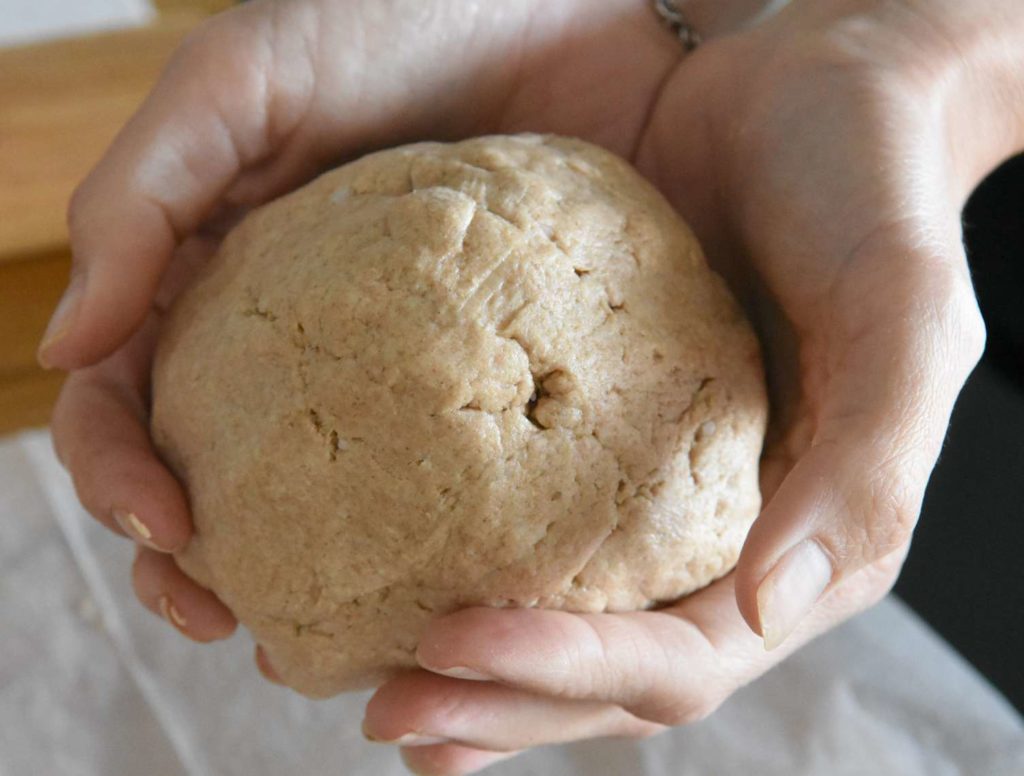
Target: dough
{"type": "Point", "coordinates": [493, 372]}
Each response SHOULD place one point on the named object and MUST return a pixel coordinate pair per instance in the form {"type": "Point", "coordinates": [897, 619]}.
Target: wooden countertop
{"type": "Point", "coordinates": [61, 103]}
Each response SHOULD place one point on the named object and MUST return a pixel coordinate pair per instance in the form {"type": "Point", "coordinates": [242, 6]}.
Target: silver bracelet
{"type": "Point", "coordinates": [673, 17]}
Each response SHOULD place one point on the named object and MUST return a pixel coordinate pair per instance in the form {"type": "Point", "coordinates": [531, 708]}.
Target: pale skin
{"type": "Point", "coordinates": [823, 159]}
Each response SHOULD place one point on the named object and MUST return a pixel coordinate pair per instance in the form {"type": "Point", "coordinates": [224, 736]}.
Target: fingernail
{"type": "Point", "coordinates": [407, 739]}
{"type": "Point", "coordinates": [134, 527]}
{"type": "Point", "coordinates": [791, 589]}
{"type": "Point", "coordinates": [171, 613]}
{"type": "Point", "coordinates": [62, 319]}
{"type": "Point", "coordinates": [460, 672]}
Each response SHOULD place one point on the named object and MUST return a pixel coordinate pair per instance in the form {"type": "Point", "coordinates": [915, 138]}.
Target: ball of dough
{"type": "Point", "coordinates": [497, 372]}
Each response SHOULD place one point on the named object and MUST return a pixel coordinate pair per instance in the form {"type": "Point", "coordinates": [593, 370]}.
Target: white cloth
{"type": "Point", "coordinates": [93, 685]}
{"type": "Point", "coordinates": [25, 21]}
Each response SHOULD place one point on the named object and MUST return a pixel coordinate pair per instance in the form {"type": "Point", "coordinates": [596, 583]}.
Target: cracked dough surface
{"type": "Point", "coordinates": [492, 372]}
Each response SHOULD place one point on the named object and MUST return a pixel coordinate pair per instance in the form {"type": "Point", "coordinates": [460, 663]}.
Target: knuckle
{"type": "Point", "coordinates": [602, 659]}
{"type": "Point", "coordinates": [965, 326]}
{"type": "Point", "coordinates": [439, 707]}
{"type": "Point", "coordinates": [890, 505]}
{"type": "Point", "coordinates": [660, 690]}
{"type": "Point", "coordinates": [974, 334]}
{"type": "Point", "coordinates": [959, 328]}
{"type": "Point", "coordinates": [677, 710]}
{"type": "Point", "coordinates": [684, 714]}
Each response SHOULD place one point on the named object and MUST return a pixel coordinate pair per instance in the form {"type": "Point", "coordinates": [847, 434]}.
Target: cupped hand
{"type": "Point", "coordinates": [255, 102]}
{"type": "Point", "coordinates": [822, 158]}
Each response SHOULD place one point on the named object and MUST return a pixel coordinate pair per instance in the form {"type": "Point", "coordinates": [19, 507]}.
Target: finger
{"type": "Point", "coordinates": [101, 434]}
{"type": "Point", "coordinates": [669, 667]}
{"type": "Point", "coordinates": [449, 759]}
{"type": "Point", "coordinates": [907, 333]}
{"type": "Point", "coordinates": [265, 667]}
{"type": "Point", "coordinates": [164, 589]}
{"type": "Point", "coordinates": [420, 708]}
{"type": "Point", "coordinates": [205, 121]}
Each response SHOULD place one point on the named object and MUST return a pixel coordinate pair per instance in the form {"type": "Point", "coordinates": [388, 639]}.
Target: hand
{"type": "Point", "coordinates": [869, 328]}
{"type": "Point", "coordinates": [256, 102]}
{"type": "Point", "coordinates": [823, 158]}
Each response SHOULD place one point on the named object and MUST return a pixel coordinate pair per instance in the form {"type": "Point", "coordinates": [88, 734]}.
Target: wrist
{"type": "Point", "coordinates": [960, 63]}
{"type": "Point", "coordinates": [983, 89]}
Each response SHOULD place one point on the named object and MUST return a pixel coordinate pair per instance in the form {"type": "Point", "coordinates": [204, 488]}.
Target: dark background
{"type": "Point", "coordinates": [965, 572]}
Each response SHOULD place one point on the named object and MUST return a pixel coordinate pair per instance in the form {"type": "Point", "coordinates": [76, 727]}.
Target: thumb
{"type": "Point", "coordinates": [903, 332]}
{"type": "Point", "coordinates": [207, 119]}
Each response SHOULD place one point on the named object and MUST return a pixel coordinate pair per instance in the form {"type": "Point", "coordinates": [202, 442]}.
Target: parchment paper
{"type": "Point", "coordinates": [93, 685]}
